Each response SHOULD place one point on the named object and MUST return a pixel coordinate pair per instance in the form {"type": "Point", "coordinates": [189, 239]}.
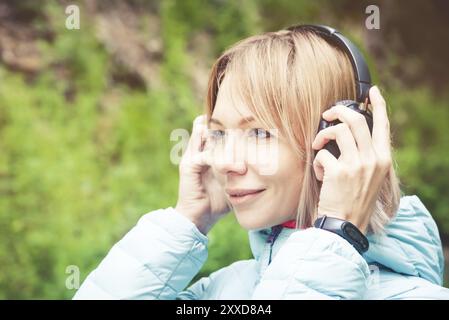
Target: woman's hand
{"type": "Point", "coordinates": [200, 196]}
{"type": "Point", "coordinates": [351, 184]}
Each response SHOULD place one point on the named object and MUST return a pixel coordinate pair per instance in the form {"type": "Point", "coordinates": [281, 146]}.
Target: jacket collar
{"type": "Point", "coordinates": [259, 241]}
{"type": "Point", "coordinates": [410, 244]}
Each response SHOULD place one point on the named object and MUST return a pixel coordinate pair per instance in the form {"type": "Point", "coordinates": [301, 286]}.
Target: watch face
{"type": "Point", "coordinates": [351, 232]}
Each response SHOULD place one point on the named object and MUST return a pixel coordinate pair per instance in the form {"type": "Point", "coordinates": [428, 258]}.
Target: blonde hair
{"type": "Point", "coordinates": [288, 79]}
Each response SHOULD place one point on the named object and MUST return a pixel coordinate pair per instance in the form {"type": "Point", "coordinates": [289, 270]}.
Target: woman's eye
{"type": "Point", "coordinates": [260, 133]}
{"type": "Point", "coordinates": [216, 134]}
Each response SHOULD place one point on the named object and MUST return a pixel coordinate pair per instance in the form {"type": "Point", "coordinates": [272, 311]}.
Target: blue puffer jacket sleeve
{"type": "Point", "coordinates": [132, 270]}
{"type": "Point", "coordinates": [314, 264]}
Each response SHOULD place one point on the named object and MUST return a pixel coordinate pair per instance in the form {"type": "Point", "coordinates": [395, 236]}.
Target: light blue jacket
{"type": "Point", "coordinates": [159, 257]}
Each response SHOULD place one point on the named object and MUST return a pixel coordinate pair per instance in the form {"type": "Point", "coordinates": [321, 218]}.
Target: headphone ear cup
{"type": "Point", "coordinates": [353, 105]}
{"type": "Point", "coordinates": [332, 146]}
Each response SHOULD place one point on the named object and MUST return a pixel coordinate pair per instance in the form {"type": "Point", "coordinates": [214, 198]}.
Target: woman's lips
{"type": "Point", "coordinates": [235, 199]}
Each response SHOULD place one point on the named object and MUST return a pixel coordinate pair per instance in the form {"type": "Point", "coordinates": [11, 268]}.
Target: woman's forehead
{"type": "Point", "coordinates": [230, 115]}
{"type": "Point", "coordinates": [230, 103]}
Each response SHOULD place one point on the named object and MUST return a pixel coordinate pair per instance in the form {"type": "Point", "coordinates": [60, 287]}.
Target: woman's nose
{"type": "Point", "coordinates": [231, 156]}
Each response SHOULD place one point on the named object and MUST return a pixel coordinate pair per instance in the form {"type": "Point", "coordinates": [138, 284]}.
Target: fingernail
{"type": "Point", "coordinates": [327, 112]}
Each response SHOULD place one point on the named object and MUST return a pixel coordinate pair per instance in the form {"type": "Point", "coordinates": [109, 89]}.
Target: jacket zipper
{"type": "Point", "coordinates": [275, 231]}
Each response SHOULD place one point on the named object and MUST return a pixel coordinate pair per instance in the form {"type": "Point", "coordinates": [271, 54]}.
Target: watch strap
{"type": "Point", "coordinates": [346, 230]}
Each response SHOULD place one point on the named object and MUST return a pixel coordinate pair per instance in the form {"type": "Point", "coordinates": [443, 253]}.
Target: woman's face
{"type": "Point", "coordinates": [246, 157]}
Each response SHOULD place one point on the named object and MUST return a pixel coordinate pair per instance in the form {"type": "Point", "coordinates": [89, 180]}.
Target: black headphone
{"type": "Point", "coordinates": [361, 73]}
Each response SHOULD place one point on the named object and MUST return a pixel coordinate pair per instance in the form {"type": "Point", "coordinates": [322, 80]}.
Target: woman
{"type": "Point", "coordinates": [257, 152]}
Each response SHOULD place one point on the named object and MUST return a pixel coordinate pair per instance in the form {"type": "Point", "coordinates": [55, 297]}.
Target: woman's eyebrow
{"type": "Point", "coordinates": [241, 122]}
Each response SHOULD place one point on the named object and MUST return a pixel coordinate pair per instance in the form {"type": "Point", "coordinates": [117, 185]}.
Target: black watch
{"type": "Point", "coordinates": [345, 229]}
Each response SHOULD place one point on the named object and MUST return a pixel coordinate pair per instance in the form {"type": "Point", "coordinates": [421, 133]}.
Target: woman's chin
{"type": "Point", "coordinates": [248, 222]}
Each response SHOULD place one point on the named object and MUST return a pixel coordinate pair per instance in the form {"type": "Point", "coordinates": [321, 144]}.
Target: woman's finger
{"type": "Point", "coordinates": [345, 141]}
{"type": "Point", "coordinates": [198, 131]}
{"type": "Point", "coordinates": [196, 156]}
{"type": "Point", "coordinates": [381, 124]}
{"type": "Point", "coordinates": [323, 161]}
{"type": "Point", "coordinates": [203, 158]}
{"type": "Point", "coordinates": [356, 123]}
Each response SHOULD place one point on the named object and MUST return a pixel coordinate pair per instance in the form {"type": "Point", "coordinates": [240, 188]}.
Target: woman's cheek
{"type": "Point", "coordinates": [264, 157]}
{"type": "Point", "coordinates": [219, 177]}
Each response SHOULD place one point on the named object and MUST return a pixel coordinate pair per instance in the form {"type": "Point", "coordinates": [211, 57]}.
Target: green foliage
{"type": "Point", "coordinates": [418, 121]}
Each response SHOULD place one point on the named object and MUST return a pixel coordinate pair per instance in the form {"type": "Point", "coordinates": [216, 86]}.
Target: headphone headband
{"type": "Point", "coordinates": [362, 74]}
